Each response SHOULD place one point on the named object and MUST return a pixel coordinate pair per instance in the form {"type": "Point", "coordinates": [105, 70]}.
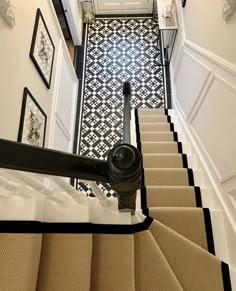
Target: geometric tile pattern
{"type": "Point", "coordinates": [118, 50]}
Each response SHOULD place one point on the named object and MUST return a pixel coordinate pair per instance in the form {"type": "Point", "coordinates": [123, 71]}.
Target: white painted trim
{"type": "Point", "coordinates": [179, 62]}
{"type": "Point", "coordinates": [213, 58]}
{"type": "Point", "coordinates": [55, 118]}
{"type": "Point", "coordinates": [62, 127]}
{"type": "Point", "coordinates": [58, 27]}
{"type": "Point", "coordinates": [207, 70]}
{"type": "Point", "coordinates": [231, 194]}
{"type": "Point", "coordinates": [233, 279]}
{"type": "Point", "coordinates": [82, 90]}
{"type": "Point", "coordinates": [201, 98]}
{"type": "Point", "coordinates": [224, 64]}
{"type": "Point", "coordinates": [124, 9]}
{"type": "Point", "coordinates": [231, 236]}
{"type": "Point", "coordinates": [221, 178]}
{"type": "Point", "coordinates": [218, 229]}
{"type": "Point", "coordinates": [55, 95]}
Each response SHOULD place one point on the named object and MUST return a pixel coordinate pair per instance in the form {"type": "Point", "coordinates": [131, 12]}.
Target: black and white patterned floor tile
{"type": "Point", "coordinates": [118, 50]}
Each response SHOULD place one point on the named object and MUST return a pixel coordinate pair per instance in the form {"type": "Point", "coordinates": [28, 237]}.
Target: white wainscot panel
{"type": "Point", "coordinates": [61, 140]}
{"type": "Point", "coordinates": [66, 92]}
{"type": "Point", "coordinates": [214, 125]}
{"type": "Point", "coordinates": [232, 197]}
{"type": "Point", "coordinates": [191, 77]}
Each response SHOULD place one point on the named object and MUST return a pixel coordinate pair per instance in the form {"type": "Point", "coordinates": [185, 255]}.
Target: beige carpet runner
{"type": "Point", "coordinates": [173, 249]}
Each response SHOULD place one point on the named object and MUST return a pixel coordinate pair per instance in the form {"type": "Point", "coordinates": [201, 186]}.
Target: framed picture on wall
{"type": "Point", "coordinates": [33, 121]}
{"type": "Point", "coordinates": [42, 49]}
{"type": "Point", "coordinates": [183, 3]}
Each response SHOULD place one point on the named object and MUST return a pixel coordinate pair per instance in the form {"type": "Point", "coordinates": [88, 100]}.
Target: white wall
{"type": "Point", "coordinates": [206, 27]}
{"type": "Point", "coordinates": [203, 70]}
{"type": "Point", "coordinates": [18, 71]}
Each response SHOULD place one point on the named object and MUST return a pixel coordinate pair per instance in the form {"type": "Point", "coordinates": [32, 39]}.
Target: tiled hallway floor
{"type": "Point", "coordinates": [118, 50]}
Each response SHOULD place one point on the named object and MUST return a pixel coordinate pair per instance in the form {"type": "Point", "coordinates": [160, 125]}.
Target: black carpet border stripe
{"type": "Point", "coordinates": [175, 136]}
{"type": "Point", "coordinates": [146, 212]}
{"type": "Point", "coordinates": [168, 118]}
{"type": "Point", "coordinates": [166, 111]}
{"type": "Point", "coordinates": [143, 178]}
{"type": "Point", "coordinates": [137, 126]}
{"type": "Point", "coordinates": [198, 196]}
{"type": "Point", "coordinates": [226, 276]}
{"type": "Point", "coordinates": [70, 227]}
{"type": "Point", "coordinates": [209, 232]}
{"type": "Point", "coordinates": [190, 177]}
{"type": "Point", "coordinates": [139, 146]}
{"type": "Point", "coordinates": [180, 147]}
{"type": "Point", "coordinates": [20, 226]}
{"type": "Point", "coordinates": [143, 192]}
{"type": "Point", "coordinates": [185, 161]}
{"type": "Point", "coordinates": [172, 127]}
{"type": "Point", "coordinates": [97, 228]}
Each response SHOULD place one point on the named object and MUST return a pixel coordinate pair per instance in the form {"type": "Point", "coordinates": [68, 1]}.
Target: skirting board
{"type": "Point", "coordinates": [230, 227]}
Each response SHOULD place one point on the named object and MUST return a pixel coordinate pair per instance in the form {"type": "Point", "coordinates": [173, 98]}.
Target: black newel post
{"type": "Point", "coordinates": [124, 164]}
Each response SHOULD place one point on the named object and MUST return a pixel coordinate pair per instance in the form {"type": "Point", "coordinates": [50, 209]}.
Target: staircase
{"type": "Point", "coordinates": [172, 249]}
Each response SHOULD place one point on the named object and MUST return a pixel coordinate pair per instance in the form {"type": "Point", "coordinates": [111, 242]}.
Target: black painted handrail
{"type": "Point", "coordinates": [127, 112]}
{"type": "Point", "coordinates": [19, 156]}
{"type": "Point", "coordinates": [122, 168]}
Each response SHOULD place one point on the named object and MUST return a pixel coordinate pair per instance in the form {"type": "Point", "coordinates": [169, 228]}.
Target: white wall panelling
{"type": "Point", "coordinates": [193, 75]}
{"type": "Point", "coordinates": [62, 131]}
{"type": "Point", "coordinates": [214, 124]}
{"type": "Point", "coordinates": [74, 16]}
{"type": "Point", "coordinates": [204, 98]}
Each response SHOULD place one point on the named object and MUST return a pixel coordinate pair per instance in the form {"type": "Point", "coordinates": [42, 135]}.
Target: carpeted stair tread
{"type": "Point", "coordinates": [166, 177]}
{"type": "Point", "coordinates": [19, 261]}
{"type": "Point", "coordinates": [195, 268]}
{"type": "Point", "coordinates": [163, 161]}
{"type": "Point", "coordinates": [113, 263]}
{"type": "Point", "coordinates": [188, 222]}
{"type": "Point", "coordinates": [160, 147]}
{"type": "Point", "coordinates": [152, 119]}
{"type": "Point", "coordinates": [152, 272]}
{"type": "Point", "coordinates": [151, 111]}
{"type": "Point", "coordinates": [154, 127]}
{"type": "Point", "coordinates": [171, 196]}
{"type": "Point", "coordinates": [157, 136]}
{"type": "Point", "coordinates": [65, 262]}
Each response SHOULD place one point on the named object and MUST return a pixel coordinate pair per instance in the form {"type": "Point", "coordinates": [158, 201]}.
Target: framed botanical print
{"type": "Point", "coordinates": [183, 3]}
{"type": "Point", "coordinates": [42, 49]}
{"type": "Point", "coordinates": [33, 121]}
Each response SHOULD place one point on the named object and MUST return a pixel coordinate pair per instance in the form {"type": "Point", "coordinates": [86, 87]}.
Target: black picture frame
{"type": "Point", "coordinates": [42, 49]}
{"type": "Point", "coordinates": [33, 121]}
{"type": "Point", "coordinates": [183, 3]}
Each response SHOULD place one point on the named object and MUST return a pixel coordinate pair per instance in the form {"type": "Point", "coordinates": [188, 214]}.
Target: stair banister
{"type": "Point", "coordinates": [124, 162]}
{"type": "Point", "coordinates": [127, 112]}
{"type": "Point", "coordinates": [122, 168]}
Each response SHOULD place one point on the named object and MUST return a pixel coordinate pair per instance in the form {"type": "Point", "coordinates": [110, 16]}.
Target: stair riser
{"type": "Point", "coordinates": [158, 148]}
{"type": "Point", "coordinates": [156, 137]}
{"type": "Point", "coordinates": [162, 161]}
{"type": "Point", "coordinates": [154, 127]}
{"type": "Point", "coordinates": [154, 177]}
{"type": "Point", "coordinates": [151, 112]}
{"type": "Point", "coordinates": [153, 119]}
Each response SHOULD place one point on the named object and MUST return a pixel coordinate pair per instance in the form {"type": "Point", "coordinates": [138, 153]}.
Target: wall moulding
{"type": "Point", "coordinates": [208, 74]}
{"type": "Point", "coordinates": [196, 107]}
{"type": "Point", "coordinates": [224, 64]}
{"type": "Point", "coordinates": [7, 11]}
{"type": "Point", "coordinates": [224, 83]}
{"type": "Point", "coordinates": [232, 197]}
